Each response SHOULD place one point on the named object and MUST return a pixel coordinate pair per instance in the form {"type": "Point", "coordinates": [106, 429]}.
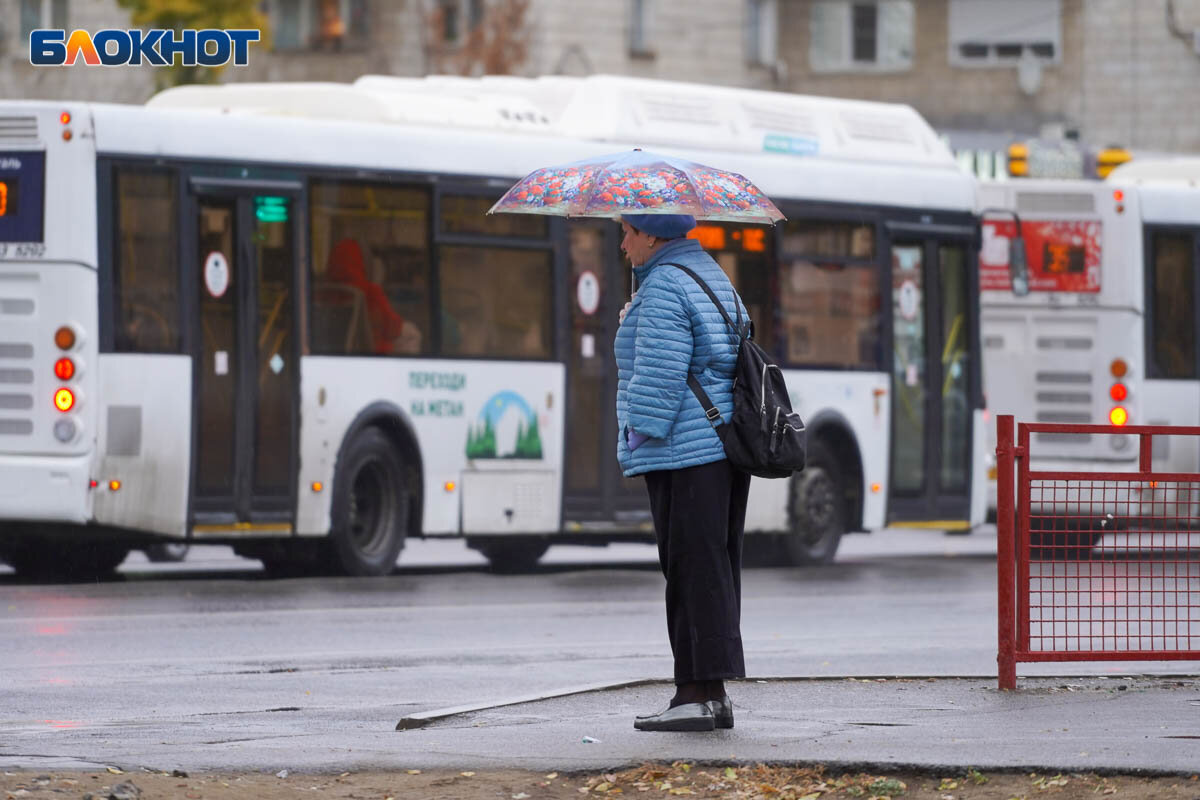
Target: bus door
{"type": "Point", "coordinates": [245, 356]}
{"type": "Point", "coordinates": [598, 285]}
{"type": "Point", "coordinates": [935, 376]}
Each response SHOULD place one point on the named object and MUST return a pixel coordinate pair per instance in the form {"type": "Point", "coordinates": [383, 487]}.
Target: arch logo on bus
{"type": "Point", "coordinates": [507, 427]}
{"type": "Point", "coordinates": [158, 47]}
{"type": "Point", "coordinates": [1063, 255]}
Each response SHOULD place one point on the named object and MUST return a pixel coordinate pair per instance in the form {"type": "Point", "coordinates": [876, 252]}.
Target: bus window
{"type": "Point", "coordinates": [495, 301]}
{"type": "Point", "coordinates": [829, 294]}
{"type": "Point", "coordinates": [146, 280]}
{"type": "Point", "coordinates": [467, 213]}
{"type": "Point", "coordinates": [1173, 342]}
{"type": "Point", "coordinates": [745, 253]}
{"type": "Point", "coordinates": [371, 269]}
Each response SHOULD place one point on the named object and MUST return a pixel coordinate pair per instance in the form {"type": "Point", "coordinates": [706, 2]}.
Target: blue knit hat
{"type": "Point", "coordinates": [663, 226]}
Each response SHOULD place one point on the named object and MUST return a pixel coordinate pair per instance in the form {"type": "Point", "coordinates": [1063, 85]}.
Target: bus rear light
{"type": "Point", "coordinates": [1118, 416]}
{"type": "Point", "coordinates": [64, 399]}
{"type": "Point", "coordinates": [450, 486]}
{"type": "Point", "coordinates": [1118, 368]}
{"type": "Point", "coordinates": [64, 337]}
{"type": "Point", "coordinates": [64, 369]}
{"type": "Point", "coordinates": [1118, 392]}
{"type": "Point", "coordinates": [65, 118]}
{"type": "Point", "coordinates": [93, 483]}
{"type": "Point", "coordinates": [114, 486]}
{"type": "Point", "coordinates": [1118, 195]}
{"type": "Point", "coordinates": [317, 486]}
{"type": "Point", "coordinates": [66, 134]}
{"type": "Point", "coordinates": [65, 429]}
{"type": "Point", "coordinates": [875, 487]}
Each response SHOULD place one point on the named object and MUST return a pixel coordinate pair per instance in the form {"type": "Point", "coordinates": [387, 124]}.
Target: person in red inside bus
{"type": "Point", "coordinates": [390, 332]}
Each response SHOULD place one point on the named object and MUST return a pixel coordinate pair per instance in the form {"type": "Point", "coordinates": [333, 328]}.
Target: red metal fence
{"type": "Point", "coordinates": [1095, 566]}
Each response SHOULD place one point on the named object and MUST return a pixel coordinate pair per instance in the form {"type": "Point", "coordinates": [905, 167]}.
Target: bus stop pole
{"type": "Point", "coordinates": [1005, 553]}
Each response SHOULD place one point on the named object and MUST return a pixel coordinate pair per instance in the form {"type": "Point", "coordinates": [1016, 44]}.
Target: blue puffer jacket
{"type": "Point", "coordinates": [673, 329]}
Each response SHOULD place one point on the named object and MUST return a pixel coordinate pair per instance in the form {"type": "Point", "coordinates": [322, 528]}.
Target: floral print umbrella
{"type": "Point", "coordinates": [638, 182]}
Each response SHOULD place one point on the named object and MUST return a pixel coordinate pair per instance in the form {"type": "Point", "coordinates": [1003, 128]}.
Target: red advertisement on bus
{"type": "Point", "coordinates": [1063, 256]}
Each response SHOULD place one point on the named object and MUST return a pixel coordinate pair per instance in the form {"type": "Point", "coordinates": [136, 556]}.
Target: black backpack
{"type": "Point", "coordinates": [764, 437]}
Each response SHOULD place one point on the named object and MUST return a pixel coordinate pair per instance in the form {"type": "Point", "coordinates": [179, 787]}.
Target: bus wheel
{"type": "Point", "coordinates": [1054, 540]}
{"type": "Point", "coordinates": [817, 509]}
{"type": "Point", "coordinates": [65, 560]}
{"type": "Point", "coordinates": [166, 552]}
{"type": "Point", "coordinates": [372, 501]}
{"type": "Point", "coordinates": [510, 555]}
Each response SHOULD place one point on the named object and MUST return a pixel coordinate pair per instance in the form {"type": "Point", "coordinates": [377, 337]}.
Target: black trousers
{"type": "Point", "coordinates": [699, 520]}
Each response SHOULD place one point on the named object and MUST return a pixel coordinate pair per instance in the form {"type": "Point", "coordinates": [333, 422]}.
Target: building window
{"type": "Point", "coordinates": [317, 24]}
{"type": "Point", "coordinates": [762, 32]}
{"type": "Point", "coordinates": [41, 14]}
{"type": "Point", "coordinates": [849, 36]}
{"type": "Point", "coordinates": [146, 277]}
{"type": "Point", "coordinates": [984, 33]}
{"type": "Point", "coordinates": [641, 26]}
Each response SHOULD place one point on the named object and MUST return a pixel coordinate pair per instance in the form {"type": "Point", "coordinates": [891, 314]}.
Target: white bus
{"type": "Point", "coordinates": [277, 316]}
{"type": "Point", "coordinates": [1102, 327]}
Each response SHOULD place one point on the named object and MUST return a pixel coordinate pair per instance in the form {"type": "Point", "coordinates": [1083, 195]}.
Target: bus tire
{"type": "Point", "coordinates": [1056, 540]}
{"type": "Point", "coordinates": [816, 509]}
{"type": "Point", "coordinates": [511, 555]}
{"type": "Point", "coordinates": [372, 505]}
{"type": "Point", "coordinates": [166, 552]}
{"type": "Point", "coordinates": [57, 559]}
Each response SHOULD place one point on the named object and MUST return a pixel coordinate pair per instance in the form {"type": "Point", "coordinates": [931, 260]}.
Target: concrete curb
{"type": "Point", "coordinates": [420, 720]}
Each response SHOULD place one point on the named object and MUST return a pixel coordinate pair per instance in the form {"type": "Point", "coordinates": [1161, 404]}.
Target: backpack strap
{"type": "Point", "coordinates": [710, 410]}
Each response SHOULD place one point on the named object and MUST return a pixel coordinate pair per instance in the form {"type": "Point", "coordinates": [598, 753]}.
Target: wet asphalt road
{"type": "Point", "coordinates": [207, 664]}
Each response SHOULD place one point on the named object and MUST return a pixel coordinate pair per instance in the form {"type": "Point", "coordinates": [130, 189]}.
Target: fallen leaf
{"type": "Point", "coordinates": [682, 790]}
{"type": "Point", "coordinates": [602, 787]}
{"type": "Point", "coordinates": [467, 774]}
{"type": "Point", "coordinates": [114, 771]}
{"type": "Point", "coordinates": [519, 796]}
{"type": "Point", "coordinates": [552, 776]}
{"type": "Point", "coordinates": [414, 772]}
{"type": "Point", "coordinates": [608, 776]}
{"type": "Point", "coordinates": [731, 773]}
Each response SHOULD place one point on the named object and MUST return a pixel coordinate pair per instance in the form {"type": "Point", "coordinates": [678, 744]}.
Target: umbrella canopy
{"type": "Point", "coordinates": [638, 182]}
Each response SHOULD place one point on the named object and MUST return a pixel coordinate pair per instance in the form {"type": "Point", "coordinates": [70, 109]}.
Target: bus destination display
{"type": "Point", "coordinates": [21, 195]}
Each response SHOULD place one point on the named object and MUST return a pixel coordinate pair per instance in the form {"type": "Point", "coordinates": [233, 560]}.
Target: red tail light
{"type": "Point", "coordinates": [64, 369]}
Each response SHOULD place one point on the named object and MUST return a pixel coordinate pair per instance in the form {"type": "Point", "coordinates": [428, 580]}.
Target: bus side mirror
{"type": "Point", "coordinates": [1018, 267]}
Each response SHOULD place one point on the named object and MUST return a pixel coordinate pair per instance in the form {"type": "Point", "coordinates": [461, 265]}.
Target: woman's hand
{"type": "Point", "coordinates": [621, 314]}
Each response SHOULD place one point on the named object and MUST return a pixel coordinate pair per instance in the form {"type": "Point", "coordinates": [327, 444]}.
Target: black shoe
{"type": "Point", "coordinates": [686, 717]}
{"type": "Point", "coordinates": [722, 711]}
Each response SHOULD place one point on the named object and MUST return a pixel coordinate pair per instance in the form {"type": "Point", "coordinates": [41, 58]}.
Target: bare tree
{"type": "Point", "coordinates": [496, 44]}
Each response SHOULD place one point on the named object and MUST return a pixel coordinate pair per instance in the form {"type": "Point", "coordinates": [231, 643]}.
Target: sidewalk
{"type": "Point", "coordinates": [1145, 724]}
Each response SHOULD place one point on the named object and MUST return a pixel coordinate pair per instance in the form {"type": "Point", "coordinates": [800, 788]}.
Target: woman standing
{"type": "Point", "coordinates": [669, 330]}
